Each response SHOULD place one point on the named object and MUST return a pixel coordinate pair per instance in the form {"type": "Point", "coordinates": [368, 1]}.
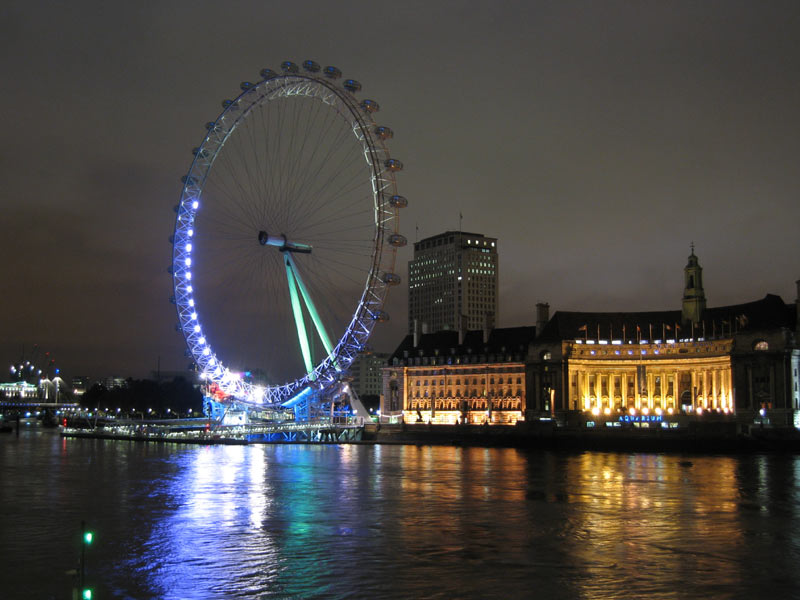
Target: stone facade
{"type": "Point", "coordinates": [740, 360]}
{"type": "Point", "coordinates": [449, 377]}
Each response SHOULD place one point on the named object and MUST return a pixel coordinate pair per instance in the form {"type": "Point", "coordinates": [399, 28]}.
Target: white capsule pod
{"type": "Point", "coordinates": [385, 133]}
{"type": "Point", "coordinates": [370, 106]}
{"type": "Point", "coordinates": [393, 164]}
{"type": "Point", "coordinates": [398, 201]}
{"type": "Point", "coordinates": [390, 278]}
{"type": "Point", "coordinates": [397, 240]}
{"type": "Point", "coordinates": [351, 85]}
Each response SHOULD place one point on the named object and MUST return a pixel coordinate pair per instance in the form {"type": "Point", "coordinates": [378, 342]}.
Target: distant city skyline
{"type": "Point", "coordinates": [596, 141]}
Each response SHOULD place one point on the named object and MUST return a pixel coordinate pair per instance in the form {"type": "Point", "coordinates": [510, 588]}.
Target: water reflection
{"type": "Point", "coordinates": [398, 522]}
{"type": "Point", "coordinates": [295, 521]}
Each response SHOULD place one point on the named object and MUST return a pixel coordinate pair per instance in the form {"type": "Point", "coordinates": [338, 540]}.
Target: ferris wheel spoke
{"type": "Point", "coordinates": [333, 187]}
{"type": "Point", "coordinates": [315, 195]}
{"type": "Point", "coordinates": [365, 220]}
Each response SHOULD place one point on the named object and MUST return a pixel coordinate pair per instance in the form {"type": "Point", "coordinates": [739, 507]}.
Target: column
{"type": "Point", "coordinates": [624, 391]}
{"type": "Point", "coordinates": [676, 390]}
{"type": "Point", "coordinates": [714, 389]}
{"type": "Point", "coordinates": [598, 398]}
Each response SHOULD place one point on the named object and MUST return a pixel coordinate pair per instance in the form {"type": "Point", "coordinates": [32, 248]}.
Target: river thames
{"type": "Point", "coordinates": [370, 521]}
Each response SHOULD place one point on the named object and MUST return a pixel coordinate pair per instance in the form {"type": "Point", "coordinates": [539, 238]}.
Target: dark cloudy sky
{"type": "Point", "coordinates": [595, 139]}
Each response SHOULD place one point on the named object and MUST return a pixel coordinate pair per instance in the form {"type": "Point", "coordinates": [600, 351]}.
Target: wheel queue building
{"type": "Point", "coordinates": [739, 360]}
{"type": "Point", "coordinates": [448, 377]}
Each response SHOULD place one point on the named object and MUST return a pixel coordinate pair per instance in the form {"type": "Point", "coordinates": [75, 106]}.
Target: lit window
{"type": "Point", "coordinates": [761, 346]}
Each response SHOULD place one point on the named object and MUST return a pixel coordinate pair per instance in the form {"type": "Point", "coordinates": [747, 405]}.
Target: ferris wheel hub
{"type": "Point", "coordinates": [283, 244]}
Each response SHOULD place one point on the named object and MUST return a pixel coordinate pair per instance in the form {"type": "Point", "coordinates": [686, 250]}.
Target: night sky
{"type": "Point", "coordinates": [595, 140]}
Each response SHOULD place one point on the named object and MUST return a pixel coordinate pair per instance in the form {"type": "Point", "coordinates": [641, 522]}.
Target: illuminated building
{"type": "Point", "coordinates": [452, 377]}
{"type": "Point", "coordinates": [18, 390]}
{"type": "Point", "coordinates": [114, 382]}
{"type": "Point", "coordinates": [741, 359]}
{"type": "Point", "coordinates": [79, 385]}
{"type": "Point", "coordinates": [366, 373]}
{"type": "Point", "coordinates": [452, 282]}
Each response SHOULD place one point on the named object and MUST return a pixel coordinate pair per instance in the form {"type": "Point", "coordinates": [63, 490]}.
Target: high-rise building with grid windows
{"type": "Point", "coordinates": [452, 282]}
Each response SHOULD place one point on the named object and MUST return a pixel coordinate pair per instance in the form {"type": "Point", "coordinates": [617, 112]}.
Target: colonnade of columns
{"type": "Point", "coordinates": [645, 388]}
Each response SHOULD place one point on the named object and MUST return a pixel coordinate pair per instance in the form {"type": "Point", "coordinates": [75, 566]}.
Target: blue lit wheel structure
{"type": "Point", "coordinates": [286, 235]}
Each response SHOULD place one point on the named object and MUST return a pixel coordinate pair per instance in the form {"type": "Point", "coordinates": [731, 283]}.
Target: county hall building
{"type": "Point", "coordinates": [740, 360]}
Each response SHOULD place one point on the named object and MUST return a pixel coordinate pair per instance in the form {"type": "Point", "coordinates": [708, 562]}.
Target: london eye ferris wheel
{"type": "Point", "coordinates": [286, 235]}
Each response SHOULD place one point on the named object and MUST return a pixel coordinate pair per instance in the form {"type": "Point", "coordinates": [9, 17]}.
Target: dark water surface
{"type": "Point", "coordinates": [330, 521]}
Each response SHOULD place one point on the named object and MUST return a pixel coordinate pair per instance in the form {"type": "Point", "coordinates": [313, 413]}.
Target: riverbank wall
{"type": "Point", "coordinates": [715, 437]}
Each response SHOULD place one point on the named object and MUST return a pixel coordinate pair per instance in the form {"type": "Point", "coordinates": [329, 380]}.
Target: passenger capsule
{"type": "Point", "coordinates": [289, 66]}
{"type": "Point", "coordinates": [369, 106]}
{"type": "Point", "coordinates": [380, 316]}
{"type": "Point", "coordinates": [177, 327]}
{"type": "Point", "coordinates": [311, 66]}
{"type": "Point", "coordinates": [391, 278]}
{"type": "Point", "coordinates": [226, 103]}
{"type": "Point", "coordinates": [268, 73]}
{"type": "Point", "coordinates": [351, 85]}
{"type": "Point", "coordinates": [246, 85]}
{"type": "Point", "coordinates": [393, 164]}
{"type": "Point", "coordinates": [398, 201]}
{"type": "Point", "coordinates": [170, 270]}
{"type": "Point", "coordinates": [332, 72]}
{"type": "Point", "coordinates": [384, 132]}
{"type": "Point", "coordinates": [397, 240]}
{"type": "Point", "coordinates": [172, 299]}
{"type": "Point", "coordinates": [172, 239]}
{"type": "Point", "coordinates": [211, 125]}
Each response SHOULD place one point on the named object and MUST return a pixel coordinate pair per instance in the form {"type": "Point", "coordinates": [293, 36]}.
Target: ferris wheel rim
{"type": "Point", "coordinates": [380, 276]}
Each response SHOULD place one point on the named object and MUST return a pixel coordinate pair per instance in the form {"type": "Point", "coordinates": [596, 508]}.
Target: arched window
{"type": "Point", "coordinates": [761, 346]}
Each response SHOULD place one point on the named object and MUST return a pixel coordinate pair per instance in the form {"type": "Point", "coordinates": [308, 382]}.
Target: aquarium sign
{"type": "Point", "coordinates": [641, 418]}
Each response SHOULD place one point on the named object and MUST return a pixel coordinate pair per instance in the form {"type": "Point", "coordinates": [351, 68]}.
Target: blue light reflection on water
{"type": "Point", "coordinates": [394, 522]}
